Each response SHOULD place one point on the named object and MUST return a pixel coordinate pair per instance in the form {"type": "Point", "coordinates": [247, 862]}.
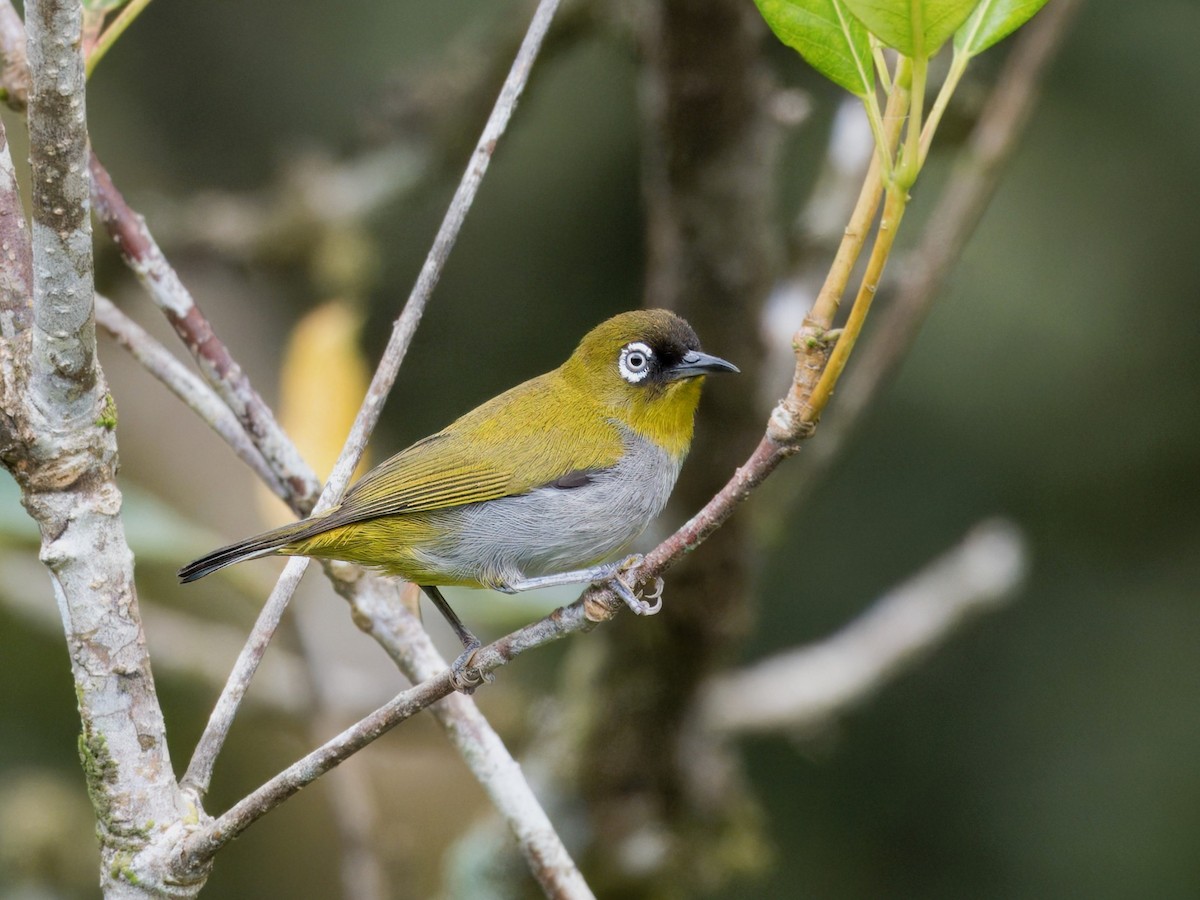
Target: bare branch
{"type": "Point", "coordinates": [142, 254]}
{"type": "Point", "coordinates": [536, 836]}
{"type": "Point", "coordinates": [206, 840]}
{"type": "Point", "coordinates": [810, 685]}
{"type": "Point", "coordinates": [16, 261]}
{"type": "Point", "coordinates": [400, 633]}
{"type": "Point", "coordinates": [188, 387]}
{"type": "Point", "coordinates": [65, 464]}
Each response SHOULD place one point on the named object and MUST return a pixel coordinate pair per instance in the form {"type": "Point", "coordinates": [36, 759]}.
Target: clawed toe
{"type": "Point", "coordinates": [465, 678]}
{"type": "Point", "coordinates": [623, 582]}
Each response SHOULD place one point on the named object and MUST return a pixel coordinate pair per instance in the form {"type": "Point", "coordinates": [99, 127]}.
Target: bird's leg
{"type": "Point", "coordinates": [465, 679]}
{"type": "Point", "coordinates": [620, 576]}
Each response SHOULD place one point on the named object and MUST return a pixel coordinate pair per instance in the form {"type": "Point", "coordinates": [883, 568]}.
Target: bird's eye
{"type": "Point", "coordinates": [634, 362]}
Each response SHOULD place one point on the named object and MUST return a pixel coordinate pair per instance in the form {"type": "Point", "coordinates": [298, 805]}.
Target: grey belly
{"type": "Point", "coordinates": [552, 530]}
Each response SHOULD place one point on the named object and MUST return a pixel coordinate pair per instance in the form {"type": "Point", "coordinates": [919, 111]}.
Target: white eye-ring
{"type": "Point", "coordinates": [634, 362]}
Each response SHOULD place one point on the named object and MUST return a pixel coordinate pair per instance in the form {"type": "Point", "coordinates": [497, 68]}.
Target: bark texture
{"type": "Point", "coordinates": [60, 446]}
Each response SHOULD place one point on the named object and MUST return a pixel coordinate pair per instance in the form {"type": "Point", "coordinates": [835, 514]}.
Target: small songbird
{"type": "Point", "coordinates": [534, 488]}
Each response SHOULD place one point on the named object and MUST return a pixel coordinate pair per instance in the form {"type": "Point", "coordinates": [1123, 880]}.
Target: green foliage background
{"type": "Point", "coordinates": [1047, 752]}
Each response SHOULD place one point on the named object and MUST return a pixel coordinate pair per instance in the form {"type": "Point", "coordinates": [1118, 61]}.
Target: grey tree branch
{"type": "Point", "coordinates": [488, 759]}
{"type": "Point", "coordinates": [63, 456]}
{"type": "Point", "coordinates": [806, 687]}
{"type": "Point", "coordinates": [188, 387]}
{"type": "Point", "coordinates": [142, 254]}
{"type": "Point", "coordinates": [209, 838]}
{"type": "Point", "coordinates": [400, 633]}
{"type": "Point", "coordinates": [16, 262]}
{"type": "Point", "coordinates": [199, 772]}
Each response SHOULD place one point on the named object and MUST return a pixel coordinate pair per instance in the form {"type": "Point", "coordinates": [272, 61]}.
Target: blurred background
{"type": "Point", "coordinates": [289, 154]}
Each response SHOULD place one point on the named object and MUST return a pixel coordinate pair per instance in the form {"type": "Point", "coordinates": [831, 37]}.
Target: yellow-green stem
{"type": "Point", "coordinates": [893, 212]}
{"type": "Point", "coordinates": [958, 65]}
{"type": "Point", "coordinates": [881, 69]}
{"type": "Point", "coordinates": [114, 31]}
{"type": "Point", "coordinates": [910, 163]}
{"type": "Point", "coordinates": [829, 298]}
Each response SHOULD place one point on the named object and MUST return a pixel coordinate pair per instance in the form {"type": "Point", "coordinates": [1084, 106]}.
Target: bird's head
{"type": "Point", "coordinates": [646, 367]}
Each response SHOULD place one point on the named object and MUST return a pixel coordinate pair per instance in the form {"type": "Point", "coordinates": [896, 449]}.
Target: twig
{"type": "Point", "coordinates": [116, 28]}
{"type": "Point", "coordinates": [208, 839]}
{"type": "Point", "coordinates": [188, 387]}
{"type": "Point", "coordinates": [142, 254]}
{"type": "Point", "coordinates": [597, 604]}
{"type": "Point", "coordinates": [400, 633]}
{"type": "Point", "coordinates": [199, 773]}
{"type": "Point", "coordinates": [807, 686]}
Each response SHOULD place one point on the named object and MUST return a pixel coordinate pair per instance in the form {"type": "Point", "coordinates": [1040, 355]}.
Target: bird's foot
{"type": "Point", "coordinates": [624, 584]}
{"type": "Point", "coordinates": [463, 676]}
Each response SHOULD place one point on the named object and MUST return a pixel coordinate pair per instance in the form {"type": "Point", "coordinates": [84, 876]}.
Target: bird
{"type": "Point", "coordinates": [542, 485]}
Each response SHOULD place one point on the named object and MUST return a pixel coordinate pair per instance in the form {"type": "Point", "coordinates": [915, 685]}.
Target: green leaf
{"type": "Point", "coordinates": [830, 39]}
{"type": "Point", "coordinates": [914, 27]}
{"type": "Point", "coordinates": [102, 5]}
{"type": "Point", "coordinates": [993, 20]}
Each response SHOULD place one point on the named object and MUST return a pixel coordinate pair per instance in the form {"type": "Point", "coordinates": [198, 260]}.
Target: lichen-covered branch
{"type": "Point", "coordinates": [16, 260]}
{"type": "Point", "coordinates": [63, 456]}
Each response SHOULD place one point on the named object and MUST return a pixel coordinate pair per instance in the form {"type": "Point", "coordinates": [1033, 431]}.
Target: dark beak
{"type": "Point", "coordinates": [695, 363]}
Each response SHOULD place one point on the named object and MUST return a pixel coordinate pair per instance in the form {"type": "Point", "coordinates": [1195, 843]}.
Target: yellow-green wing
{"type": "Point", "coordinates": [529, 436]}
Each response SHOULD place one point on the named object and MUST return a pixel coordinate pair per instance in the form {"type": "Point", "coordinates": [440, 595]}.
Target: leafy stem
{"type": "Point", "coordinates": [958, 65]}
{"type": "Point", "coordinates": [112, 32]}
{"type": "Point", "coordinates": [893, 211]}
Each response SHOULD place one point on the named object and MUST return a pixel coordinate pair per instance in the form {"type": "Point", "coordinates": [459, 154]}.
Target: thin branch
{"type": "Point", "coordinates": [597, 604]}
{"type": "Point", "coordinates": [142, 254]}
{"type": "Point", "coordinates": [188, 387]}
{"type": "Point", "coordinates": [16, 259]}
{"type": "Point", "coordinates": [806, 687]}
{"type": "Point", "coordinates": [67, 468]}
{"type": "Point", "coordinates": [199, 773]}
{"type": "Point", "coordinates": [400, 632]}
{"type": "Point", "coordinates": [208, 839]}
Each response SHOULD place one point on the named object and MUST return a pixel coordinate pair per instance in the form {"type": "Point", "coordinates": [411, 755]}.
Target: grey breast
{"type": "Point", "coordinates": [556, 529]}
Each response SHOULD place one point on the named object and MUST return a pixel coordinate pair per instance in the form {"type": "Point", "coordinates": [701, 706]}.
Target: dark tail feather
{"type": "Point", "coordinates": [260, 545]}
